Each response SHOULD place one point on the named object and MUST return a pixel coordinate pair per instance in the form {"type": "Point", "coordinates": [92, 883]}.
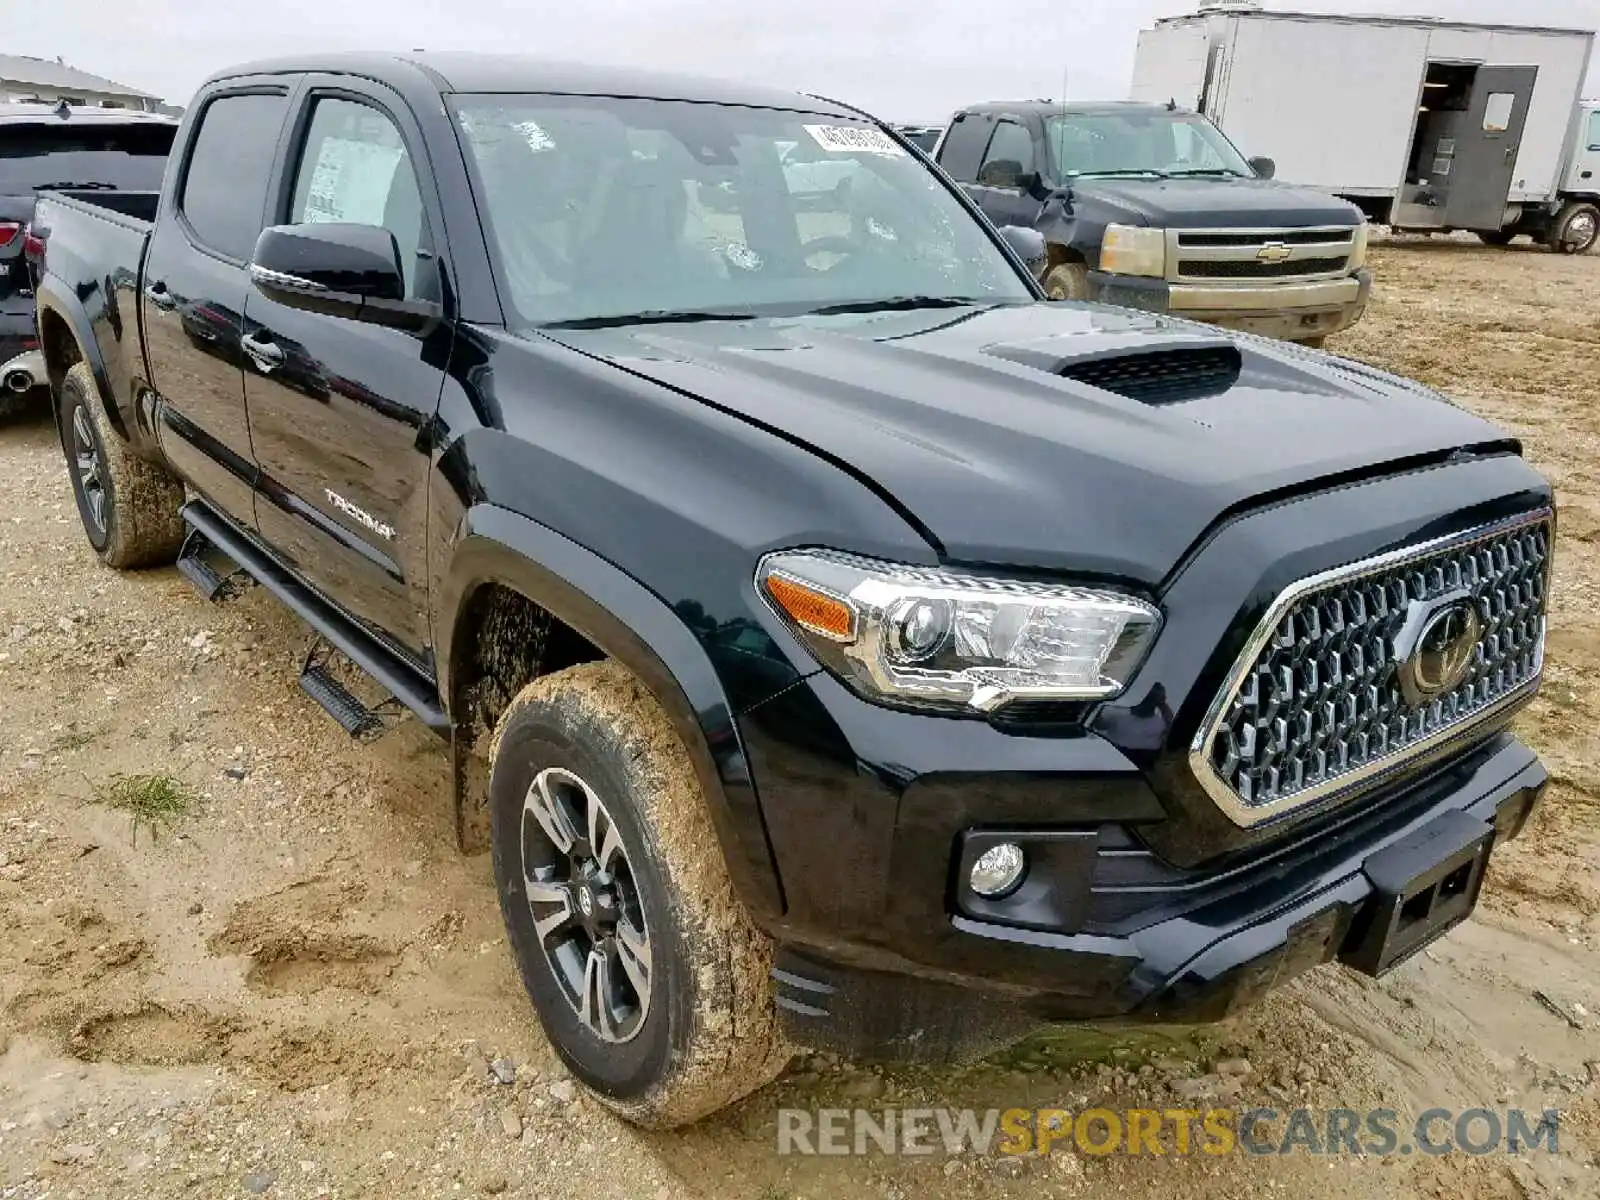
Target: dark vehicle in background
{"type": "Point", "coordinates": [1151, 207]}
{"type": "Point", "coordinates": [838, 643]}
{"type": "Point", "coordinates": [69, 146]}
{"type": "Point", "coordinates": [923, 137]}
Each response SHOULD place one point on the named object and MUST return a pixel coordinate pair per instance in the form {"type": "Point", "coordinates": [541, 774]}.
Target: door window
{"type": "Point", "coordinates": [354, 168]}
{"type": "Point", "coordinates": [1594, 130]}
{"type": "Point", "coordinates": [225, 187]}
{"type": "Point", "coordinates": [963, 147]}
{"type": "Point", "coordinates": [1497, 112]}
{"type": "Point", "coordinates": [1009, 158]}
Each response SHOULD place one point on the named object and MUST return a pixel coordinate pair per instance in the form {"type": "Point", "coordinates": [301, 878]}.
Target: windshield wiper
{"type": "Point", "coordinates": [1225, 172]}
{"type": "Point", "coordinates": [894, 304]}
{"type": "Point", "coordinates": [73, 185]}
{"type": "Point", "coordinates": [1121, 172]}
{"type": "Point", "coordinates": [652, 316]}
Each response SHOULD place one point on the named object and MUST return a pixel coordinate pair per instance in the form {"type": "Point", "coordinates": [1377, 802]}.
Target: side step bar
{"type": "Point", "coordinates": [401, 680]}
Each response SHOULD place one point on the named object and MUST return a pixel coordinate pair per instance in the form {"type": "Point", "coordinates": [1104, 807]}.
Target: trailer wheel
{"type": "Point", "coordinates": [1496, 237]}
{"type": "Point", "coordinates": [1576, 229]}
{"type": "Point", "coordinates": [1069, 281]}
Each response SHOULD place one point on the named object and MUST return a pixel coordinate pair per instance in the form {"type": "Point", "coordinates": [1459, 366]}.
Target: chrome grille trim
{"type": "Point", "coordinates": [1242, 246]}
{"type": "Point", "coordinates": [1353, 780]}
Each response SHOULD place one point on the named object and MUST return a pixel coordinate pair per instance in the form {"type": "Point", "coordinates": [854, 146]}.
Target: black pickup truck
{"type": "Point", "coordinates": [1151, 207]}
{"type": "Point", "coordinates": [839, 643]}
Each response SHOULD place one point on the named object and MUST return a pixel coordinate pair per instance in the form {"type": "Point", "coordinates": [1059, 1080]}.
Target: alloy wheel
{"type": "Point", "coordinates": [90, 467]}
{"type": "Point", "coordinates": [586, 906]}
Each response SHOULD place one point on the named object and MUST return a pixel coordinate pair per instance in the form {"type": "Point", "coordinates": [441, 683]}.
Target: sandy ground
{"type": "Point", "coordinates": [298, 990]}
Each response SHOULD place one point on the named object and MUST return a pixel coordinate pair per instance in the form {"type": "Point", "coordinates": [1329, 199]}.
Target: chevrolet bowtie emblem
{"type": "Point", "coordinates": [1273, 252]}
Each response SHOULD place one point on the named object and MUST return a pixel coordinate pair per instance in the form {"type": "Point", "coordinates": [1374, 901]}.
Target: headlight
{"type": "Point", "coordinates": [1358, 256]}
{"type": "Point", "coordinates": [1134, 250]}
{"type": "Point", "coordinates": [920, 635]}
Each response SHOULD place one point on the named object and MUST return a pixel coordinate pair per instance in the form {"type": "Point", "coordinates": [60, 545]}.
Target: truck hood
{"type": "Point", "coordinates": [964, 418]}
{"type": "Point", "coordinates": [1208, 203]}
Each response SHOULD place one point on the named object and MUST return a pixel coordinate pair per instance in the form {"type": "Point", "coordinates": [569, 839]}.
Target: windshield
{"type": "Point", "coordinates": [130, 157]}
{"type": "Point", "coordinates": [1140, 143]}
{"type": "Point", "coordinates": [608, 208]}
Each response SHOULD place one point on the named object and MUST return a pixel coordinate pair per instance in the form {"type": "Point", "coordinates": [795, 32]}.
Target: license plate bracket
{"type": "Point", "coordinates": [1426, 884]}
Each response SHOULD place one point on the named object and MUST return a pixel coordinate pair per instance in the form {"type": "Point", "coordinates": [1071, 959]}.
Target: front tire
{"type": "Point", "coordinates": [1068, 281]}
{"type": "Point", "coordinates": [129, 507]}
{"type": "Point", "coordinates": [1576, 229]}
{"type": "Point", "coordinates": [649, 978]}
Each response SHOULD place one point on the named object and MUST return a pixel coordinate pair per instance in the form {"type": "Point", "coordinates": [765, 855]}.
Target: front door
{"type": "Point", "coordinates": [339, 409]}
{"type": "Point", "coordinates": [1009, 162]}
{"type": "Point", "coordinates": [1486, 145]}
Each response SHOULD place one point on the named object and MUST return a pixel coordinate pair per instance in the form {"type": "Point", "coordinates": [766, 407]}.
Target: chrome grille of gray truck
{"type": "Point", "coordinates": [1318, 703]}
{"type": "Point", "coordinates": [1210, 255]}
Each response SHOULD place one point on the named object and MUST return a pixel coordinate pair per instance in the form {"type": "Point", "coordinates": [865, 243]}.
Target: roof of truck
{"type": "Point", "coordinates": [76, 114]}
{"type": "Point", "coordinates": [465, 71]}
{"type": "Point", "coordinates": [1373, 19]}
{"type": "Point", "coordinates": [1069, 108]}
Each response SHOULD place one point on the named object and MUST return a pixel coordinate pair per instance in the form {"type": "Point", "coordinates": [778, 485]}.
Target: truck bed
{"type": "Point", "coordinates": [93, 258]}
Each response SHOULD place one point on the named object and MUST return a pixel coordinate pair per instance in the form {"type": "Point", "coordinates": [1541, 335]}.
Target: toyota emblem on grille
{"type": "Point", "coordinates": [1274, 252]}
{"type": "Point", "coordinates": [1436, 646]}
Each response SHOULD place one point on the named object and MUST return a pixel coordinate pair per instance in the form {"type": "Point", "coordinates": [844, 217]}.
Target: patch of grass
{"type": "Point", "coordinates": [155, 801]}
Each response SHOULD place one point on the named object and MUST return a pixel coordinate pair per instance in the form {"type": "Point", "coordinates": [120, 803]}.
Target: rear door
{"type": "Point", "coordinates": [1487, 142]}
{"type": "Point", "coordinates": [338, 408]}
{"type": "Point", "coordinates": [64, 152]}
{"type": "Point", "coordinates": [195, 281]}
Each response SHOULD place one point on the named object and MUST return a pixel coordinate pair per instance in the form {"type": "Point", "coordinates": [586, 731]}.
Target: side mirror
{"type": "Point", "coordinates": [1263, 166]}
{"type": "Point", "coordinates": [343, 270]}
{"type": "Point", "coordinates": [1027, 244]}
{"type": "Point", "coordinates": [1001, 173]}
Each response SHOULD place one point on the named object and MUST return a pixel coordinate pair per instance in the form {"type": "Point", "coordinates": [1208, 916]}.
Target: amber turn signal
{"type": "Point", "coordinates": [811, 609]}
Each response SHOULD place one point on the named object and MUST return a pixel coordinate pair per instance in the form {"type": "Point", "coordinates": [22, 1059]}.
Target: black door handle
{"type": "Point", "coordinates": [265, 355]}
{"type": "Point", "coordinates": [159, 296]}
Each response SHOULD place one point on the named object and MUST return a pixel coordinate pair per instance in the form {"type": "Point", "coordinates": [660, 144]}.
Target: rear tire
{"type": "Point", "coordinates": [651, 981]}
{"type": "Point", "coordinates": [1497, 237]}
{"type": "Point", "coordinates": [1314, 343]}
{"type": "Point", "coordinates": [1068, 281]}
{"type": "Point", "coordinates": [129, 507]}
{"type": "Point", "coordinates": [1576, 229]}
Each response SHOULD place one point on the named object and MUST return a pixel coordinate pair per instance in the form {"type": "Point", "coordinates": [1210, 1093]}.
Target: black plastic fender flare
{"type": "Point", "coordinates": [631, 624]}
{"type": "Point", "coordinates": [51, 296]}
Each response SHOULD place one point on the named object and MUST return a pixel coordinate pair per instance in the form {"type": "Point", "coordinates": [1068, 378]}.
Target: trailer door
{"type": "Point", "coordinates": [1487, 142]}
{"type": "Point", "coordinates": [1171, 64]}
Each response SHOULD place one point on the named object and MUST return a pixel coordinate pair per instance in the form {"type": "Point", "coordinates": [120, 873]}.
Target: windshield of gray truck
{"type": "Point", "coordinates": [1140, 143]}
{"type": "Point", "coordinates": [604, 208]}
{"type": "Point", "coordinates": [56, 154]}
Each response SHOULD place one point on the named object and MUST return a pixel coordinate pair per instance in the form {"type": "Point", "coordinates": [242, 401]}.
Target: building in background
{"type": "Point", "coordinates": [26, 78]}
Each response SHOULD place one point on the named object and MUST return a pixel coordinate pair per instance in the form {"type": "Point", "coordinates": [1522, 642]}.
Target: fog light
{"type": "Point", "coordinates": [998, 870]}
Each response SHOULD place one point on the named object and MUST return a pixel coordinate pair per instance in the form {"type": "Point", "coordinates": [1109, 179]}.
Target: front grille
{"type": "Point", "coordinates": [1316, 705]}
{"type": "Point", "coordinates": [1255, 269]}
{"type": "Point", "coordinates": [1162, 376]}
{"type": "Point", "coordinates": [1255, 240]}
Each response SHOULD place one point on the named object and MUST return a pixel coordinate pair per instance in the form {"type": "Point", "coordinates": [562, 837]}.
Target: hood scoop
{"type": "Point", "coordinates": [1169, 372]}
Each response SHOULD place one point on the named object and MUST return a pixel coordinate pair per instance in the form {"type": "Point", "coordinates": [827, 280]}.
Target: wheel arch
{"type": "Point", "coordinates": [501, 561]}
{"type": "Point", "coordinates": [66, 338]}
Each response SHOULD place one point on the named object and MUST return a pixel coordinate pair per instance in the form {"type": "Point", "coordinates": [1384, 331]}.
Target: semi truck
{"type": "Point", "coordinates": [1427, 125]}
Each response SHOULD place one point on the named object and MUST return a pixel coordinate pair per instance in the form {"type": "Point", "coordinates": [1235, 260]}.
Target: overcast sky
{"type": "Point", "coordinates": [910, 60]}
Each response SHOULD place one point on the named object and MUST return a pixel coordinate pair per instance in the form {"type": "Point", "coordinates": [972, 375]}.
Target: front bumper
{"type": "Point", "coordinates": [1218, 940]}
{"type": "Point", "coordinates": [1280, 310]}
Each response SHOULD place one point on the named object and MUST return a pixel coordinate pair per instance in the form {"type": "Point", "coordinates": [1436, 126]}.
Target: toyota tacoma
{"type": "Point", "coordinates": [839, 643]}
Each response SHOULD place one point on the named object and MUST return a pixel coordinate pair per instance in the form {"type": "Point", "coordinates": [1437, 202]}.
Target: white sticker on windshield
{"type": "Point", "coordinates": [853, 139]}
{"type": "Point", "coordinates": [533, 133]}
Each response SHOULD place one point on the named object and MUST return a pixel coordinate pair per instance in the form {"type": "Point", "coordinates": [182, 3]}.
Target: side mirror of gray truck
{"type": "Point", "coordinates": [1263, 166]}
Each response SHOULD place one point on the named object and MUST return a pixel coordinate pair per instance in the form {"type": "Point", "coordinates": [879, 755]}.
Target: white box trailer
{"type": "Point", "coordinates": [1426, 124]}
